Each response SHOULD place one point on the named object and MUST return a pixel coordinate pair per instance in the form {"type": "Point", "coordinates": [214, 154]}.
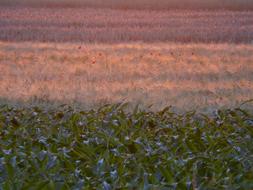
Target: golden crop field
{"type": "Point", "coordinates": [187, 59]}
{"type": "Point", "coordinates": [187, 76]}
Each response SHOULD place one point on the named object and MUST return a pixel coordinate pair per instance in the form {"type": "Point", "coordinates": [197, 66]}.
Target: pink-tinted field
{"type": "Point", "coordinates": [138, 4]}
{"type": "Point", "coordinates": [114, 26]}
{"type": "Point", "coordinates": [187, 76]}
{"type": "Point", "coordinates": [188, 59]}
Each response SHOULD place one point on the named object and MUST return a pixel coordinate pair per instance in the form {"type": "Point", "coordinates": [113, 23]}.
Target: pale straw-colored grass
{"type": "Point", "coordinates": [187, 76]}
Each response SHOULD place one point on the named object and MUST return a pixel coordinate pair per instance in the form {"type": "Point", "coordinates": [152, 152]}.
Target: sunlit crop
{"type": "Point", "coordinates": [186, 76]}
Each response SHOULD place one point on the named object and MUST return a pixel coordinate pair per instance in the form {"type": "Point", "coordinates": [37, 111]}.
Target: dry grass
{"type": "Point", "coordinates": [139, 4]}
{"type": "Point", "coordinates": [116, 26]}
{"type": "Point", "coordinates": [186, 76]}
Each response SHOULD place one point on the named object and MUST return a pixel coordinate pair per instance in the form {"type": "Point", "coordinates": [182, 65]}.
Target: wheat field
{"type": "Point", "coordinates": [186, 76]}
{"type": "Point", "coordinates": [85, 56]}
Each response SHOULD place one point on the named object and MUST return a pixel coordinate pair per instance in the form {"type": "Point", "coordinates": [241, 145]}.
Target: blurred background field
{"type": "Point", "coordinates": [187, 76]}
{"type": "Point", "coordinates": [117, 26]}
{"type": "Point", "coordinates": [191, 59]}
{"type": "Point", "coordinates": [139, 4]}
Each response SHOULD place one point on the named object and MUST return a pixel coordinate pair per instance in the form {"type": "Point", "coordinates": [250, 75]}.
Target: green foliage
{"type": "Point", "coordinates": [111, 148]}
